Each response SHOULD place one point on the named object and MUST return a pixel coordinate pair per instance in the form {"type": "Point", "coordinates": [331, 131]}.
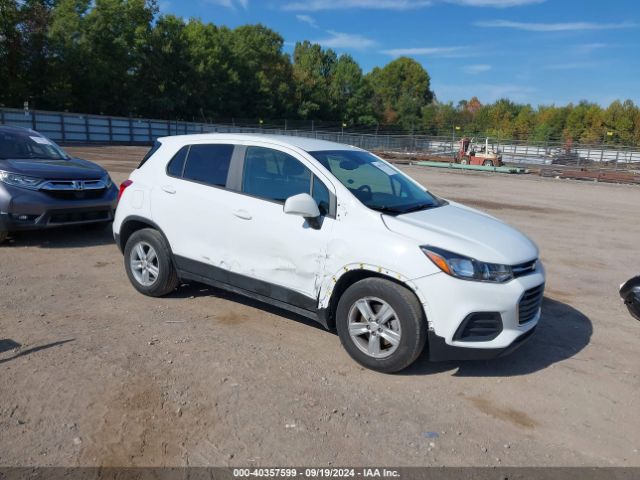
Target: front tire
{"type": "Point", "coordinates": [147, 260]}
{"type": "Point", "coordinates": [381, 325]}
{"type": "Point", "coordinates": [3, 235]}
{"type": "Point", "coordinates": [488, 163]}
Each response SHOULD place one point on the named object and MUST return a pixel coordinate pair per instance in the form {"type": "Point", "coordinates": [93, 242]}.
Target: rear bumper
{"type": "Point", "coordinates": [22, 209]}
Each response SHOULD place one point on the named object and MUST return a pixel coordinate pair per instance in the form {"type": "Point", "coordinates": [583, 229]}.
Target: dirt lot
{"type": "Point", "coordinates": [93, 373]}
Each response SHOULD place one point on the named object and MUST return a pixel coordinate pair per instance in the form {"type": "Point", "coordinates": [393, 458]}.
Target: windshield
{"type": "Point", "coordinates": [376, 184]}
{"type": "Point", "coordinates": [28, 144]}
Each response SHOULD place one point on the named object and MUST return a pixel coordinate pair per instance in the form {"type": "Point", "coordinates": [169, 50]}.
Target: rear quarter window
{"type": "Point", "coordinates": [152, 150]}
{"type": "Point", "coordinates": [176, 164]}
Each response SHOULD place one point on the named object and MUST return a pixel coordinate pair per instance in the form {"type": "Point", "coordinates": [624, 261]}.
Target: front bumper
{"type": "Point", "coordinates": [449, 301]}
{"type": "Point", "coordinates": [22, 209]}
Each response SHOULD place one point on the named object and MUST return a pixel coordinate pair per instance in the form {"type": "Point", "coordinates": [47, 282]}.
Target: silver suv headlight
{"type": "Point", "coordinates": [467, 268]}
{"type": "Point", "coordinates": [17, 180]}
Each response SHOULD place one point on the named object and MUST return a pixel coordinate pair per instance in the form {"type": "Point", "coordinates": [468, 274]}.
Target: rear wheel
{"type": "Point", "coordinates": [147, 260]}
{"type": "Point", "coordinates": [487, 163]}
{"type": "Point", "coordinates": [381, 324]}
{"type": "Point", "coordinates": [464, 161]}
{"type": "Point", "coordinates": [3, 235]}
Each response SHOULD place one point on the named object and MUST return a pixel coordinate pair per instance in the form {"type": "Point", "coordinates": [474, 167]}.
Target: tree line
{"type": "Point", "coordinates": [122, 57]}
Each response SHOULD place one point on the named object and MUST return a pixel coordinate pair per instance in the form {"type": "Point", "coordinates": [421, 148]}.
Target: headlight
{"type": "Point", "coordinates": [107, 180]}
{"type": "Point", "coordinates": [20, 180]}
{"type": "Point", "coordinates": [467, 268]}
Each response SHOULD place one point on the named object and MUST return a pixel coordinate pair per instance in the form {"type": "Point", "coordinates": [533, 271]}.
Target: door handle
{"type": "Point", "coordinates": [243, 214]}
{"type": "Point", "coordinates": [168, 189]}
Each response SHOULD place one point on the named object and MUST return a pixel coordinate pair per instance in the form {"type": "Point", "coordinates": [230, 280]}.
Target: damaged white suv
{"type": "Point", "coordinates": [336, 234]}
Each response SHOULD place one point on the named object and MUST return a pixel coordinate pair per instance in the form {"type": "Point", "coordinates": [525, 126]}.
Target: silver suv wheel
{"type": "Point", "coordinates": [144, 264]}
{"type": "Point", "coordinates": [374, 327]}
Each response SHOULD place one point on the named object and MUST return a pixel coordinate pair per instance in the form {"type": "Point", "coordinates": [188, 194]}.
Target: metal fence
{"type": "Point", "coordinates": [70, 128]}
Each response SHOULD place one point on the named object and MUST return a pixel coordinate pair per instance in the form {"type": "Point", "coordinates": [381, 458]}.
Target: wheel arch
{"type": "Point", "coordinates": [327, 308]}
{"type": "Point", "coordinates": [132, 224]}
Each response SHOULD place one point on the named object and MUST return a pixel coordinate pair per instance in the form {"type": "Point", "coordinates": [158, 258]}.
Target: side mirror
{"type": "Point", "coordinates": [303, 205]}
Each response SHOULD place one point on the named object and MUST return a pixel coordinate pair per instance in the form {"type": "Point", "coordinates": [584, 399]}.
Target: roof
{"type": "Point", "coordinates": [304, 143]}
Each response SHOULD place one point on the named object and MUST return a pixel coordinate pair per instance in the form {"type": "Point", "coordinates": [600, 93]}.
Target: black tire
{"type": "Point", "coordinates": [409, 314]}
{"type": "Point", "coordinates": [3, 235]}
{"type": "Point", "coordinates": [487, 163]}
{"type": "Point", "coordinates": [167, 278]}
{"type": "Point", "coordinates": [464, 161]}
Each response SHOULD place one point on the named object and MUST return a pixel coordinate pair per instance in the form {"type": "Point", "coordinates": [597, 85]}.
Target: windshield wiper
{"type": "Point", "coordinates": [417, 208]}
{"type": "Point", "coordinates": [384, 209]}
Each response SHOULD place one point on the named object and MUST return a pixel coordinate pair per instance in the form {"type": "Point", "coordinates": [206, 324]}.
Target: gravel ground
{"type": "Point", "coordinates": [92, 373]}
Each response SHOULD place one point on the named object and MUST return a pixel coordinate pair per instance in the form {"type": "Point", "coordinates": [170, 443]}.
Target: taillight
{"type": "Point", "coordinates": [123, 187]}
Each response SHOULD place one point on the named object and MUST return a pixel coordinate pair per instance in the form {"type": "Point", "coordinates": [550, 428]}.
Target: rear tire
{"type": "Point", "coordinates": [396, 336]}
{"type": "Point", "coordinates": [464, 161]}
{"type": "Point", "coordinates": [148, 262]}
{"type": "Point", "coordinates": [3, 235]}
{"type": "Point", "coordinates": [487, 163]}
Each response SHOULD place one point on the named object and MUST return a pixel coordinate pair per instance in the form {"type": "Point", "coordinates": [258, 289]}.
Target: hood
{"type": "Point", "coordinates": [71, 169]}
{"type": "Point", "coordinates": [467, 232]}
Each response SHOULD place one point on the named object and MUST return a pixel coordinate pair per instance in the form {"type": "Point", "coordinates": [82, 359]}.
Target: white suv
{"type": "Point", "coordinates": [336, 234]}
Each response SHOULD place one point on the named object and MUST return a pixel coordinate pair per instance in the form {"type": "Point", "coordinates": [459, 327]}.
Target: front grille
{"type": "Point", "coordinates": [72, 216]}
{"type": "Point", "coordinates": [479, 327]}
{"type": "Point", "coordinates": [75, 195]}
{"type": "Point", "coordinates": [530, 304]}
{"type": "Point", "coordinates": [524, 268]}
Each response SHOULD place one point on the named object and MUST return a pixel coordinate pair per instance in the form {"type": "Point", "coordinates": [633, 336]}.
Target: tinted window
{"type": "Point", "coordinates": [374, 183]}
{"type": "Point", "coordinates": [274, 175]}
{"type": "Point", "coordinates": [321, 196]}
{"type": "Point", "coordinates": [176, 165]}
{"type": "Point", "coordinates": [208, 164]}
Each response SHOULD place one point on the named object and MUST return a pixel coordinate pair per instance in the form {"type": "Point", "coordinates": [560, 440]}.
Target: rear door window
{"type": "Point", "coordinates": [208, 164]}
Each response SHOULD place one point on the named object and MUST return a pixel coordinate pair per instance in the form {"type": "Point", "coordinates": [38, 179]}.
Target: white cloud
{"type": "Point", "coordinates": [346, 41]}
{"type": "Point", "coordinates": [427, 51]}
{"type": "Point", "coordinates": [317, 5]}
{"type": "Point", "coordinates": [571, 66]}
{"type": "Point", "coordinates": [476, 69]}
{"type": "Point", "coordinates": [554, 27]}
{"type": "Point", "coordinates": [230, 3]}
{"type": "Point", "coordinates": [308, 20]}
{"type": "Point", "coordinates": [588, 48]}
{"type": "Point", "coordinates": [494, 3]}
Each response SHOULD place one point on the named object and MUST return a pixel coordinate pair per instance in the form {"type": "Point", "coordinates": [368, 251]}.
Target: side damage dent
{"type": "Point", "coordinates": [329, 284]}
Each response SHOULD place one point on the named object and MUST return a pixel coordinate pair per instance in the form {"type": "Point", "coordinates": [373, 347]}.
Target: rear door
{"type": "Point", "coordinates": [191, 203]}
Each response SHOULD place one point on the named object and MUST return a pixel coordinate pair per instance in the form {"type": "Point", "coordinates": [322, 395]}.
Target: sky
{"type": "Point", "coordinates": [530, 51]}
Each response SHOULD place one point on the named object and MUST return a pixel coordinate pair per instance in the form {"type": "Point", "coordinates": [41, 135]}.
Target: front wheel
{"type": "Point", "coordinates": [487, 163]}
{"type": "Point", "coordinates": [381, 324]}
{"type": "Point", "coordinates": [147, 260]}
{"type": "Point", "coordinates": [464, 161]}
{"type": "Point", "coordinates": [3, 235]}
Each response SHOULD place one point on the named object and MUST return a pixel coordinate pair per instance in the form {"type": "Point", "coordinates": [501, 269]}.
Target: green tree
{"type": "Point", "coordinates": [401, 90]}
{"type": "Point", "coordinates": [313, 69]}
